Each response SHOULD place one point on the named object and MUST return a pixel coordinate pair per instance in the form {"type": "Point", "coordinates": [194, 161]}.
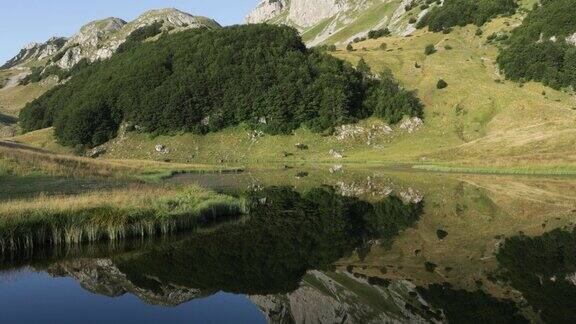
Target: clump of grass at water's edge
{"type": "Point", "coordinates": [138, 211]}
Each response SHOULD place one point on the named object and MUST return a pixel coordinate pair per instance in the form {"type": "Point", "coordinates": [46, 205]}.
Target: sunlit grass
{"type": "Point", "coordinates": [23, 162]}
{"type": "Point", "coordinates": [138, 211]}
{"type": "Point", "coordinates": [498, 170]}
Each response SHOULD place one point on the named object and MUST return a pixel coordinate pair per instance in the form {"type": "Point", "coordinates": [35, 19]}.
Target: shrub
{"type": "Point", "coordinates": [441, 84]}
{"type": "Point", "coordinates": [349, 48]}
{"type": "Point", "coordinates": [430, 49]}
{"type": "Point", "coordinates": [389, 101]}
{"type": "Point", "coordinates": [375, 34]}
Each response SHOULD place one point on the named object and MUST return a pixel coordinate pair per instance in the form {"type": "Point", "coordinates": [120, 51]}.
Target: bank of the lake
{"type": "Point", "coordinates": [136, 211]}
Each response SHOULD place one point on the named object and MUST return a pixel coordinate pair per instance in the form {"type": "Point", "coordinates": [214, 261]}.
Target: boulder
{"type": "Point", "coordinates": [161, 149]}
{"type": "Point", "coordinates": [411, 125]}
{"type": "Point", "coordinates": [571, 39]}
{"type": "Point", "coordinates": [335, 154]}
{"type": "Point", "coordinates": [95, 152]}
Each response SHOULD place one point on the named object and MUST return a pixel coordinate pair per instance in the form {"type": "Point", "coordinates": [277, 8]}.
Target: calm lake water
{"type": "Point", "coordinates": [362, 246]}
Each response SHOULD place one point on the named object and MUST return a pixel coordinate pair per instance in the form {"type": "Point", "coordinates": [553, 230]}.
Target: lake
{"type": "Point", "coordinates": [325, 245]}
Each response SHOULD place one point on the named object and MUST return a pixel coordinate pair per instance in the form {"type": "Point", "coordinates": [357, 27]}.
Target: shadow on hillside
{"type": "Point", "coordinates": [9, 120]}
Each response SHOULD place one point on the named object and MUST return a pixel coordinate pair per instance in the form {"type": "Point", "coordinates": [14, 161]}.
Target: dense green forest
{"type": "Point", "coordinates": [463, 12]}
{"type": "Point", "coordinates": [538, 49]}
{"type": "Point", "coordinates": [205, 80]}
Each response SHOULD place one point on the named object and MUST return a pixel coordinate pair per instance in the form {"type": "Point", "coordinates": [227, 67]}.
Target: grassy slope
{"type": "Point", "coordinates": [12, 100]}
{"type": "Point", "coordinates": [476, 115]}
{"type": "Point", "coordinates": [365, 21]}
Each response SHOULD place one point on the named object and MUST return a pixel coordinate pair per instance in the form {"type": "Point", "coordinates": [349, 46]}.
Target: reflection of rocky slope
{"type": "Point", "coordinates": [101, 276]}
{"type": "Point", "coordinates": [342, 298]}
{"type": "Point", "coordinates": [371, 188]}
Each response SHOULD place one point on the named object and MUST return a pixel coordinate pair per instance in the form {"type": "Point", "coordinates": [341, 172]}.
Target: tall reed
{"type": "Point", "coordinates": [135, 212]}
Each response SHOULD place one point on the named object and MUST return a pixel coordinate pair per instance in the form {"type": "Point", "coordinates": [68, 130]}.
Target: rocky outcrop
{"type": "Point", "coordinates": [36, 52]}
{"type": "Point", "coordinates": [100, 39]}
{"type": "Point", "coordinates": [411, 125]}
{"type": "Point", "coordinates": [266, 10]}
{"type": "Point", "coordinates": [19, 74]}
{"type": "Point", "coordinates": [571, 39]}
{"type": "Point", "coordinates": [369, 134]}
{"type": "Point", "coordinates": [102, 276]}
{"type": "Point", "coordinates": [301, 13]}
{"type": "Point", "coordinates": [89, 43]}
{"type": "Point", "coordinates": [321, 20]}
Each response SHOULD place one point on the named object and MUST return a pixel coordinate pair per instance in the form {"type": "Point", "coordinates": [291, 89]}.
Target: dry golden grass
{"type": "Point", "coordinates": [12, 100]}
{"type": "Point", "coordinates": [137, 211]}
{"type": "Point", "coordinates": [23, 161]}
{"type": "Point", "coordinates": [131, 197]}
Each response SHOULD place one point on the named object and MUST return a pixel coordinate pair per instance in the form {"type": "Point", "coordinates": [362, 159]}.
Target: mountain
{"type": "Point", "coordinates": [322, 297]}
{"type": "Point", "coordinates": [101, 38]}
{"type": "Point", "coordinates": [102, 276]}
{"type": "Point", "coordinates": [37, 52]}
{"type": "Point", "coordinates": [338, 21]}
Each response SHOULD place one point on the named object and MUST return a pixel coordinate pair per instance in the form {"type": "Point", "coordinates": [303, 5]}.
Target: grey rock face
{"type": "Point", "coordinates": [266, 10]}
{"type": "Point", "coordinates": [35, 51]}
{"type": "Point", "coordinates": [302, 13]}
{"type": "Point", "coordinates": [99, 40]}
{"type": "Point", "coordinates": [319, 20]}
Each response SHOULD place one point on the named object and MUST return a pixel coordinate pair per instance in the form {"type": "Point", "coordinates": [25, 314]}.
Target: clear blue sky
{"type": "Point", "coordinates": [26, 21]}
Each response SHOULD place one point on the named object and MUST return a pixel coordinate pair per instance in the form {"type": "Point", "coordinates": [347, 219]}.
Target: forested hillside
{"type": "Point", "coordinates": [463, 12]}
{"type": "Point", "coordinates": [543, 48]}
{"type": "Point", "coordinates": [205, 80]}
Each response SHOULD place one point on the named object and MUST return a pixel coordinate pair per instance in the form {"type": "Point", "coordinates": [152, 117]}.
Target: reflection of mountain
{"type": "Point", "coordinates": [461, 306]}
{"type": "Point", "coordinates": [286, 235]}
{"type": "Point", "coordinates": [542, 268]}
{"type": "Point", "coordinates": [335, 297]}
{"type": "Point", "coordinates": [101, 276]}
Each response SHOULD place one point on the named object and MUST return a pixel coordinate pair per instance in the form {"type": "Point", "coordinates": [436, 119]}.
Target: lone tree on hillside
{"type": "Point", "coordinates": [363, 67]}
{"type": "Point", "coordinates": [430, 49]}
{"type": "Point", "coordinates": [349, 48]}
{"type": "Point", "coordinates": [441, 84]}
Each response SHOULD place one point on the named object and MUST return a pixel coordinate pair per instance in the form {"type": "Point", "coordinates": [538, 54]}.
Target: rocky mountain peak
{"type": "Point", "coordinates": [93, 33]}
{"type": "Point", "coordinates": [171, 17]}
{"type": "Point", "coordinates": [34, 52]}
{"type": "Point", "coordinates": [100, 39]}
